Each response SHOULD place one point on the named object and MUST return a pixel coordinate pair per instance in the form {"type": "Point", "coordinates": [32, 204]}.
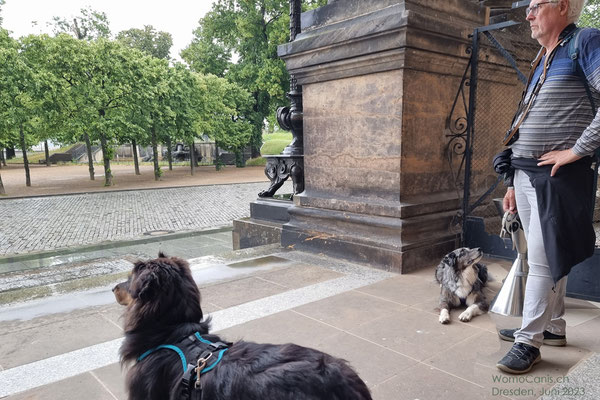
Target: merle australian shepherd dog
{"type": "Point", "coordinates": [462, 278]}
{"type": "Point", "coordinates": [163, 307]}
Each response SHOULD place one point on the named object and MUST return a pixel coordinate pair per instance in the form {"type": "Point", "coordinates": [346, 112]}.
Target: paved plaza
{"type": "Point", "coordinates": [60, 329]}
{"type": "Point", "coordinates": [54, 222]}
{"type": "Point", "coordinates": [384, 324]}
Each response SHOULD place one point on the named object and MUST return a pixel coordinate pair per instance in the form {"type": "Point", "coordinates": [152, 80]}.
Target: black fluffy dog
{"type": "Point", "coordinates": [163, 308]}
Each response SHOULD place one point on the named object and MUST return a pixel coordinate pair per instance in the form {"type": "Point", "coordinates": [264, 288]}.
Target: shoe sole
{"type": "Point", "coordinates": [547, 342]}
{"type": "Point", "coordinates": [517, 372]}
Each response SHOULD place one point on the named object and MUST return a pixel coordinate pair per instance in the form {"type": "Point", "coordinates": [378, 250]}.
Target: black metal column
{"type": "Point", "coordinates": [291, 161]}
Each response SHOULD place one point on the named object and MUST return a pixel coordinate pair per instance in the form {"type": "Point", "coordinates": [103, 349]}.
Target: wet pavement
{"type": "Point", "coordinates": [90, 268]}
{"type": "Point", "coordinates": [385, 324]}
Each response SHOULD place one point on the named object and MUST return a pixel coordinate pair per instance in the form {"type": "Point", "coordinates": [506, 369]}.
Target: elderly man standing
{"type": "Point", "coordinates": [554, 134]}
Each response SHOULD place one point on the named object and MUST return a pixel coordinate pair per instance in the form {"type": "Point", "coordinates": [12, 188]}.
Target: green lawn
{"type": "Point", "coordinates": [274, 143]}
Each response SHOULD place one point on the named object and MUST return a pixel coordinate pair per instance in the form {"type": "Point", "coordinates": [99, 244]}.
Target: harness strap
{"type": "Point", "coordinates": [166, 346]}
{"type": "Point", "coordinates": [204, 356]}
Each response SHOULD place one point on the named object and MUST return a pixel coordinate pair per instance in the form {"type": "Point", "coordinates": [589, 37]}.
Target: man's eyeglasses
{"type": "Point", "coordinates": [536, 8]}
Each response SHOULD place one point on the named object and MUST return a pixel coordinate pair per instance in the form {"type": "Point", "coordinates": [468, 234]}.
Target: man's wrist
{"type": "Point", "coordinates": [510, 188]}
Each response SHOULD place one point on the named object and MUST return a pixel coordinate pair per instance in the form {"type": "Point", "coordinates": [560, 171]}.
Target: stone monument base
{"type": "Point", "coordinates": [267, 217]}
{"type": "Point", "coordinates": [395, 237]}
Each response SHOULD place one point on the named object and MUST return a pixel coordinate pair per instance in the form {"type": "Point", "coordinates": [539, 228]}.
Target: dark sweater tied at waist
{"type": "Point", "coordinates": [565, 204]}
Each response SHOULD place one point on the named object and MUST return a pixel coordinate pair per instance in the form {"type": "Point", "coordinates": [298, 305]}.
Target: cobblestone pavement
{"type": "Point", "coordinates": [50, 223]}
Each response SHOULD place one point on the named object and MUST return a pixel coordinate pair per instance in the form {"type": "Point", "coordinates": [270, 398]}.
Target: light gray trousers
{"type": "Point", "coordinates": [544, 304]}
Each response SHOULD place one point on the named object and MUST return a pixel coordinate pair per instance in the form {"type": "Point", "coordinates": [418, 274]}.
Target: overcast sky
{"type": "Point", "coordinates": [178, 17]}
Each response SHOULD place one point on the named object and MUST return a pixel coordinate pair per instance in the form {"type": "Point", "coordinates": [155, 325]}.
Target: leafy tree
{"type": "Point", "coordinates": [148, 40]}
{"type": "Point", "coordinates": [89, 25]}
{"type": "Point", "coordinates": [100, 79]}
{"type": "Point", "coordinates": [6, 55]}
{"type": "Point", "coordinates": [109, 81]}
{"type": "Point", "coordinates": [186, 101]}
{"type": "Point", "coordinates": [51, 116]}
{"type": "Point", "coordinates": [223, 116]}
{"type": "Point", "coordinates": [214, 41]}
{"type": "Point", "coordinates": [65, 57]}
{"type": "Point", "coordinates": [591, 14]}
{"type": "Point", "coordinates": [23, 88]}
{"type": "Point", "coordinates": [251, 30]}
{"type": "Point", "coordinates": [151, 103]}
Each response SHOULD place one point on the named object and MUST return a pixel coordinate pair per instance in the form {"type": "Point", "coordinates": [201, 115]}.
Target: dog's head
{"type": "Point", "coordinates": [159, 292]}
{"type": "Point", "coordinates": [463, 258]}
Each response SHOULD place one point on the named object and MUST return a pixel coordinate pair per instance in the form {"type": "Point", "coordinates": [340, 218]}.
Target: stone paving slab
{"type": "Point", "coordinates": [384, 324]}
{"type": "Point", "coordinates": [49, 223]}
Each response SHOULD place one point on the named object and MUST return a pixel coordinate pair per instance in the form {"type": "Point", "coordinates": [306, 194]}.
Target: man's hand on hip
{"type": "Point", "coordinates": [558, 158]}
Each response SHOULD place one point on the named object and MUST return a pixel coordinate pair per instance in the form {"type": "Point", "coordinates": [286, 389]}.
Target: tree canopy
{"type": "Point", "coordinates": [591, 14]}
{"type": "Point", "coordinates": [238, 39]}
{"type": "Point", "coordinates": [62, 87]}
{"type": "Point", "coordinates": [89, 25]}
{"type": "Point", "coordinates": [148, 40]}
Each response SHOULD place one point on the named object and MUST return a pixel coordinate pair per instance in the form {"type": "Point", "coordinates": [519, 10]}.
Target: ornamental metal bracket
{"type": "Point", "coordinates": [290, 163]}
{"type": "Point", "coordinates": [279, 169]}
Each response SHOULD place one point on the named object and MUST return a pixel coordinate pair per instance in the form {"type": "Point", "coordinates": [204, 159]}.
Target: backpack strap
{"type": "Point", "coordinates": [573, 49]}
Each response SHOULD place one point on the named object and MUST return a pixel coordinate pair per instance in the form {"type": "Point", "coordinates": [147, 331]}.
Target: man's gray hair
{"type": "Point", "coordinates": [575, 8]}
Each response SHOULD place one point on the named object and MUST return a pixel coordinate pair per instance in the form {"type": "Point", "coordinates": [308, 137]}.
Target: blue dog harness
{"type": "Point", "coordinates": [204, 356]}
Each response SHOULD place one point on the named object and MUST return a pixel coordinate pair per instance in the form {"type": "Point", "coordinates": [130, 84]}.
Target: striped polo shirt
{"type": "Point", "coordinates": [561, 115]}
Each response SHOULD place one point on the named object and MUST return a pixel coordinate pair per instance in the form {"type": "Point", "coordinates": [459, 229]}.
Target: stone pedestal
{"type": "Point", "coordinates": [267, 217]}
{"type": "Point", "coordinates": [379, 78]}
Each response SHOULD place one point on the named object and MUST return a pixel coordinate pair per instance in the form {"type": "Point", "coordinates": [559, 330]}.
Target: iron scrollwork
{"type": "Point", "coordinates": [279, 169]}
{"type": "Point", "coordinates": [457, 126]}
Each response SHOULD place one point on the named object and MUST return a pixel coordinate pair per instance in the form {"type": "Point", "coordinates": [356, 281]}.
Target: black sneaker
{"type": "Point", "coordinates": [520, 359]}
{"type": "Point", "coordinates": [550, 338]}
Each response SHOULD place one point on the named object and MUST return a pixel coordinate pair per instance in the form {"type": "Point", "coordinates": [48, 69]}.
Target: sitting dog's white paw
{"type": "Point", "coordinates": [444, 316]}
{"type": "Point", "coordinates": [465, 316]}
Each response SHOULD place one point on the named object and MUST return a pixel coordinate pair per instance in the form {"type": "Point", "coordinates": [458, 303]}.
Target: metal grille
{"type": "Point", "coordinates": [499, 89]}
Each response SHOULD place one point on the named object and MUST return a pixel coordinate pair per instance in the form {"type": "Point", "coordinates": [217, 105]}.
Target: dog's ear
{"type": "Point", "coordinates": [145, 285]}
{"type": "Point", "coordinates": [180, 262]}
{"type": "Point", "coordinates": [450, 259]}
{"type": "Point", "coordinates": [162, 255]}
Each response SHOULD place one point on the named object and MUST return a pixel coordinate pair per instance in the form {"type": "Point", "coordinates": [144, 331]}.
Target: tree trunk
{"type": "Point", "coordinates": [170, 153]}
{"type": "Point", "coordinates": [256, 137]}
{"type": "Point", "coordinates": [106, 158]}
{"type": "Point", "coordinates": [239, 159]}
{"type": "Point", "coordinates": [2, 159]}
{"type": "Point", "coordinates": [218, 164]}
{"type": "Point", "coordinates": [25, 161]}
{"type": "Point", "coordinates": [2, 191]}
{"type": "Point", "coordinates": [157, 172]}
{"type": "Point", "coordinates": [47, 153]}
{"type": "Point", "coordinates": [192, 157]}
{"type": "Point", "coordinates": [88, 146]}
{"type": "Point", "coordinates": [136, 162]}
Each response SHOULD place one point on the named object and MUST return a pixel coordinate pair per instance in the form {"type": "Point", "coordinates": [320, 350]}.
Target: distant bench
{"type": "Point", "coordinates": [58, 157]}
